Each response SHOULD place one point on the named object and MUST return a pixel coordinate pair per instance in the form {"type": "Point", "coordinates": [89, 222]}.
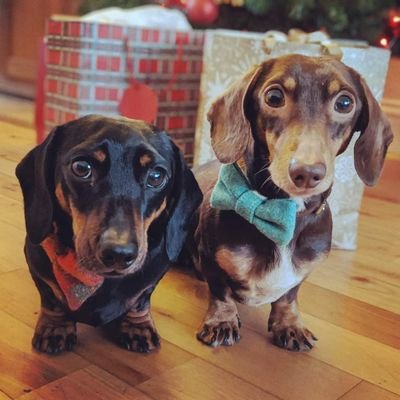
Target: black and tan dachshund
{"type": "Point", "coordinates": [107, 205]}
{"type": "Point", "coordinates": [283, 125]}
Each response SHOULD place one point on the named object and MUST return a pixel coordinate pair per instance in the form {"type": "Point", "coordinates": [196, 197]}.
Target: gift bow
{"type": "Point", "coordinates": [275, 218]}
{"type": "Point", "coordinates": [328, 46]}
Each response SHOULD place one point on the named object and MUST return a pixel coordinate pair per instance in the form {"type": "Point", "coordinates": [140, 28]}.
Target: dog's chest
{"type": "Point", "coordinates": [260, 284]}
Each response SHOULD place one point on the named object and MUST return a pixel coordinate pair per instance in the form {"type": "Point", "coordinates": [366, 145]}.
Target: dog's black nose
{"type": "Point", "coordinates": [117, 255]}
{"type": "Point", "coordinates": [307, 176]}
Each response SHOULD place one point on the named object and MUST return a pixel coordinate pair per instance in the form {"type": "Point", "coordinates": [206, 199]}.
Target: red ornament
{"type": "Point", "coordinates": [174, 4]}
{"type": "Point", "coordinates": [139, 101]}
{"type": "Point", "coordinates": [202, 12]}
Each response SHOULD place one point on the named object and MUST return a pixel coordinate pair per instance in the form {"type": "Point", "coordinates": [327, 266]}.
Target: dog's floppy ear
{"type": "Point", "coordinates": [35, 173]}
{"type": "Point", "coordinates": [375, 136]}
{"type": "Point", "coordinates": [184, 200]}
{"type": "Point", "coordinates": [230, 129]}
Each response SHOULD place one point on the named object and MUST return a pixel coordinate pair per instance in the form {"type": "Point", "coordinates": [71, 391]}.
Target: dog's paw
{"type": "Point", "coordinates": [294, 337]}
{"type": "Point", "coordinates": [53, 337]}
{"type": "Point", "coordinates": [140, 338]}
{"type": "Point", "coordinates": [225, 333]}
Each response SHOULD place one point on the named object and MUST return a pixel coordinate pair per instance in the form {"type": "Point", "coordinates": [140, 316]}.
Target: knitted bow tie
{"type": "Point", "coordinates": [275, 218]}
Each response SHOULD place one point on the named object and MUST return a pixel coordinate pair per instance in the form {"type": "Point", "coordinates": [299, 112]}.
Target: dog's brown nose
{"type": "Point", "coordinates": [117, 255]}
{"type": "Point", "coordinates": [306, 176]}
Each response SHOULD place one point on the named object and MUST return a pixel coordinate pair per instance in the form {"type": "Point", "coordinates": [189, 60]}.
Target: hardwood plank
{"type": "Point", "coordinates": [18, 111]}
{"type": "Point", "coordinates": [94, 347]}
{"type": "Point", "coordinates": [16, 141]}
{"type": "Point", "coordinates": [392, 90]}
{"type": "Point", "coordinates": [8, 163]}
{"type": "Point", "coordinates": [370, 282]}
{"type": "Point", "coordinates": [90, 383]}
{"type": "Point", "coordinates": [366, 391]}
{"type": "Point", "coordinates": [351, 314]}
{"type": "Point", "coordinates": [355, 354]}
{"type": "Point", "coordinates": [23, 369]}
{"type": "Point", "coordinates": [345, 350]}
{"type": "Point", "coordinates": [283, 374]}
{"type": "Point", "coordinates": [93, 344]}
{"type": "Point", "coordinates": [14, 216]}
{"type": "Point", "coordinates": [3, 396]}
{"type": "Point", "coordinates": [371, 273]}
{"type": "Point", "coordinates": [198, 380]}
{"type": "Point", "coordinates": [179, 310]}
{"type": "Point", "coordinates": [11, 248]}
{"type": "Point", "coordinates": [389, 180]}
{"type": "Point", "coordinates": [15, 379]}
{"type": "Point", "coordinates": [133, 368]}
{"type": "Point", "coordinates": [9, 188]}
{"type": "Point", "coordinates": [16, 135]}
{"type": "Point", "coordinates": [19, 296]}
{"type": "Point", "coordinates": [370, 360]}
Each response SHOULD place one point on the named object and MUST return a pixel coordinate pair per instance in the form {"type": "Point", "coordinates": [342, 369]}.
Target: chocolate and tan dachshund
{"type": "Point", "coordinates": [107, 207]}
{"type": "Point", "coordinates": [282, 125]}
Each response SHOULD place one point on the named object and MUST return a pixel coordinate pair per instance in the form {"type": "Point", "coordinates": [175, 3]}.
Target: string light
{"type": "Point", "coordinates": [384, 42]}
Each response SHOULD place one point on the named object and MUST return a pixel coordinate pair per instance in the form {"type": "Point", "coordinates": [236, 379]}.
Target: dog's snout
{"type": "Point", "coordinates": [306, 176]}
{"type": "Point", "coordinates": [118, 255]}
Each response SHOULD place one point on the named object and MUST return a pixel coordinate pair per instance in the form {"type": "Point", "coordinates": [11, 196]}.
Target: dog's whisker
{"type": "Point", "coordinates": [265, 168]}
{"type": "Point", "coordinates": [269, 179]}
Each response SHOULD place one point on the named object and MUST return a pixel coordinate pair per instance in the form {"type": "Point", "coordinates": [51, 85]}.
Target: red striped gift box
{"type": "Point", "coordinates": [89, 65]}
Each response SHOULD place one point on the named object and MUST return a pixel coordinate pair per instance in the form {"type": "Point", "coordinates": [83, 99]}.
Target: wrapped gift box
{"type": "Point", "coordinates": [89, 65]}
{"type": "Point", "coordinates": [229, 54]}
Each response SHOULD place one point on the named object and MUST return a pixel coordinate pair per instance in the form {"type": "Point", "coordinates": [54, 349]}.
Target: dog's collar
{"type": "Point", "coordinates": [76, 283]}
{"type": "Point", "coordinates": [316, 205]}
{"type": "Point", "coordinates": [321, 208]}
{"type": "Point", "coordinates": [275, 218]}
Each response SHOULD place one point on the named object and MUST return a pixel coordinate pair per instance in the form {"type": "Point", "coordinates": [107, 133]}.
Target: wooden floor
{"type": "Point", "coordinates": [352, 303]}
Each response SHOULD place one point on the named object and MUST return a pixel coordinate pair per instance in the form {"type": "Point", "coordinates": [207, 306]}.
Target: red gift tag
{"type": "Point", "coordinates": [139, 101]}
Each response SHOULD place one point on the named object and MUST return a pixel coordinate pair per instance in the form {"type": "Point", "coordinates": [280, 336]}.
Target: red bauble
{"type": "Point", "coordinates": [174, 4]}
{"type": "Point", "coordinates": [201, 12]}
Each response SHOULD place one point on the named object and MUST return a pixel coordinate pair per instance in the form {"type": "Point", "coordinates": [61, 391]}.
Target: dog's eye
{"type": "Point", "coordinates": [275, 98]}
{"type": "Point", "coordinates": [344, 104]}
{"type": "Point", "coordinates": [81, 169]}
{"type": "Point", "coordinates": [156, 178]}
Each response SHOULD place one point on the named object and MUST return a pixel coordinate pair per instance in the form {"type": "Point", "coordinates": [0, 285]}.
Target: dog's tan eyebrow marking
{"type": "Point", "coordinates": [144, 160]}
{"type": "Point", "coordinates": [99, 155]}
{"type": "Point", "coordinates": [333, 87]}
{"type": "Point", "coordinates": [289, 84]}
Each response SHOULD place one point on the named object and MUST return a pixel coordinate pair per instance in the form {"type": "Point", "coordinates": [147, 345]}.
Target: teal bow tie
{"type": "Point", "coordinates": [275, 218]}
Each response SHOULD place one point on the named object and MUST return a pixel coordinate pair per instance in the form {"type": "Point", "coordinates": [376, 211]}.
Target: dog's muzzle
{"type": "Point", "coordinates": [117, 250]}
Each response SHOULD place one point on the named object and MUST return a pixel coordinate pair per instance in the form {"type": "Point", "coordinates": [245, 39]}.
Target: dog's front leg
{"type": "Point", "coordinates": [221, 324]}
{"type": "Point", "coordinates": [54, 332]}
{"type": "Point", "coordinates": [137, 331]}
{"type": "Point", "coordinates": [286, 325]}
